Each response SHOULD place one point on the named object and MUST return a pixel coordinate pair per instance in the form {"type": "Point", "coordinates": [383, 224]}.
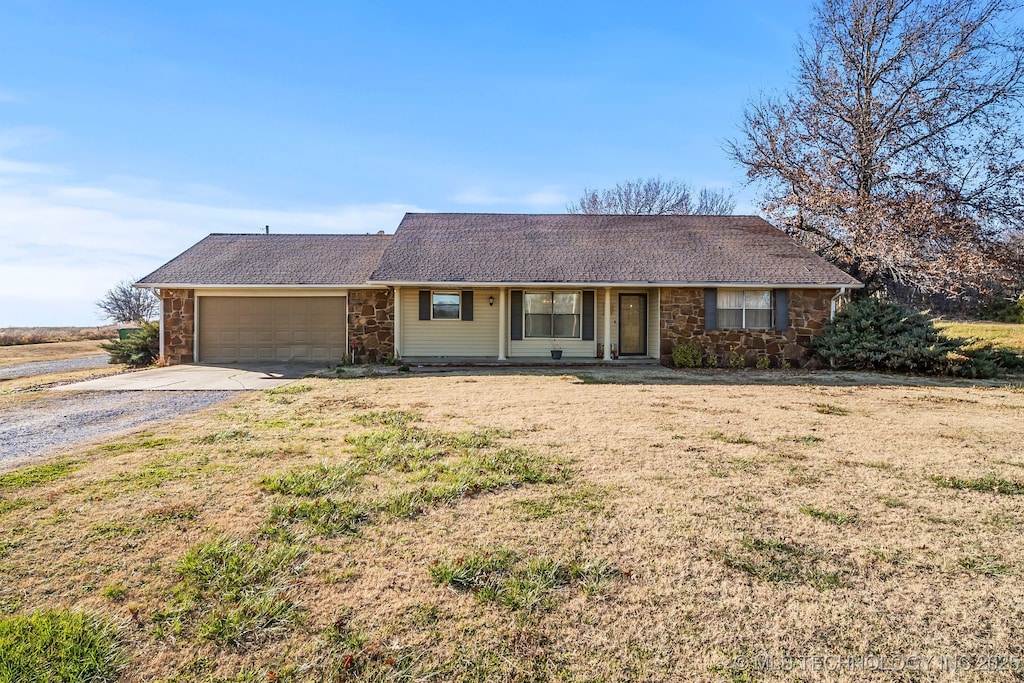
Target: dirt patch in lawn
{"type": "Point", "coordinates": [489, 526]}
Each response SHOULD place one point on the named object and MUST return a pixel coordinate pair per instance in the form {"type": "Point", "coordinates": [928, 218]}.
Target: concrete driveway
{"type": "Point", "coordinates": [199, 378]}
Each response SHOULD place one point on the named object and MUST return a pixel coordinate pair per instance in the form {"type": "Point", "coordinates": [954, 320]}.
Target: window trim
{"type": "Point", "coordinates": [458, 294]}
{"type": "Point", "coordinates": [743, 311]}
{"type": "Point", "coordinates": [552, 292]}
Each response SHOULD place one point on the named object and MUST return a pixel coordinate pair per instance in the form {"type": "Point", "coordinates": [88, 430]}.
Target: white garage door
{"type": "Point", "coordinates": [241, 329]}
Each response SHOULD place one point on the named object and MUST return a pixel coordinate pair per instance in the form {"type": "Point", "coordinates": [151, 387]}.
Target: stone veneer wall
{"type": "Point", "coordinates": [179, 306]}
{"type": "Point", "coordinates": [371, 324]}
{"type": "Point", "coordinates": [682, 319]}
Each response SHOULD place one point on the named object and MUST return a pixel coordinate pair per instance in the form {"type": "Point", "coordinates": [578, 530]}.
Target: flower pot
{"type": "Point", "coordinates": [556, 354]}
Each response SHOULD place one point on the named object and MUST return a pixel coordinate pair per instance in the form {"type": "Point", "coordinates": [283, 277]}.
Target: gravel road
{"type": "Point", "coordinates": [45, 367]}
{"type": "Point", "coordinates": [45, 426]}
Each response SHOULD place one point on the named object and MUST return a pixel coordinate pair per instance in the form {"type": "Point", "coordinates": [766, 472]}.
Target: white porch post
{"type": "Point", "coordinates": [397, 328]}
{"type": "Point", "coordinates": [607, 323]}
{"type": "Point", "coordinates": [502, 323]}
{"type": "Point", "coordinates": [163, 307]}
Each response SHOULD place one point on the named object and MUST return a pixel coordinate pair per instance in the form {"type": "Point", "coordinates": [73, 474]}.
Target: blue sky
{"type": "Point", "coordinates": [128, 131]}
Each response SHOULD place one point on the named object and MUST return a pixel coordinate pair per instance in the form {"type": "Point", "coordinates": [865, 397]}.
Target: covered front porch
{"type": "Point", "coordinates": [525, 323]}
{"type": "Point", "coordinates": [526, 362]}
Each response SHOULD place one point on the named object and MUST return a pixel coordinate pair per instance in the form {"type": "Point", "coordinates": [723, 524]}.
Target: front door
{"type": "Point", "coordinates": [632, 324]}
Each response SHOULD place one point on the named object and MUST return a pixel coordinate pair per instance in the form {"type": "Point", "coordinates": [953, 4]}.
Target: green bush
{"type": "Point", "coordinates": [872, 334]}
{"type": "Point", "coordinates": [687, 354]}
{"type": "Point", "coordinates": [141, 348]}
{"type": "Point", "coordinates": [1004, 310]}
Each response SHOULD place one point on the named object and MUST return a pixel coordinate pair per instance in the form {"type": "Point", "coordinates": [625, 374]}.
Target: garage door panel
{"type": "Point", "coordinates": [241, 329]}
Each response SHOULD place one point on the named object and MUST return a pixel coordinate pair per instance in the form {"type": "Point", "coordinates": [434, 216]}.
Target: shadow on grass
{"type": "Point", "coordinates": [659, 375]}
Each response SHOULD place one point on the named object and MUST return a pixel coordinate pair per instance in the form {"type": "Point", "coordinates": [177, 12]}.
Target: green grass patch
{"type": "Point", "coordinates": [891, 501]}
{"type": "Point", "coordinates": [12, 504]}
{"type": "Point", "coordinates": [988, 565]}
{"type": "Point", "coordinates": [401, 448]}
{"type": "Point", "coordinates": [313, 481]}
{"type": "Point", "coordinates": [289, 389]}
{"type": "Point", "coordinates": [522, 584]}
{"type": "Point", "coordinates": [387, 418]}
{"type": "Point", "coordinates": [228, 435]}
{"type": "Point", "coordinates": [805, 439]}
{"type": "Point", "coordinates": [114, 529]}
{"type": "Point", "coordinates": [990, 483]}
{"type": "Point", "coordinates": [727, 438]}
{"type": "Point", "coordinates": [326, 516]}
{"type": "Point", "coordinates": [408, 448]}
{"type": "Point", "coordinates": [776, 561]}
{"type": "Point", "coordinates": [233, 592]}
{"type": "Point", "coordinates": [402, 472]}
{"type": "Point", "coordinates": [837, 518]}
{"type": "Point", "coordinates": [48, 646]}
{"type": "Point", "coordinates": [173, 512]}
{"type": "Point", "coordinates": [829, 409]}
{"type": "Point", "coordinates": [586, 499]}
{"type": "Point", "coordinates": [27, 477]}
{"type": "Point", "coordinates": [443, 483]}
{"type": "Point", "coordinates": [150, 476]}
{"type": "Point", "coordinates": [115, 592]}
{"type": "Point", "coordinates": [118, 447]}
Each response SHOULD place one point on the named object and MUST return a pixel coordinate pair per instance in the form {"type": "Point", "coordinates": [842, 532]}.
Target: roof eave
{"type": "Point", "coordinates": [635, 283]}
{"type": "Point", "coordinates": [201, 285]}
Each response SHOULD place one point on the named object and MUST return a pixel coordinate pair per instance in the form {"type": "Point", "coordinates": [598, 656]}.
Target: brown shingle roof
{"type": "Point", "coordinates": [524, 248]}
{"type": "Point", "coordinates": [273, 260]}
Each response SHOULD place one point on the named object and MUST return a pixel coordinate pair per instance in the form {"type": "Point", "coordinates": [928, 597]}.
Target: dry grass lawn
{"type": "Point", "coordinates": [30, 353]}
{"type": "Point", "coordinates": [1001, 335]}
{"type": "Point", "coordinates": [14, 336]}
{"type": "Point", "coordinates": [489, 527]}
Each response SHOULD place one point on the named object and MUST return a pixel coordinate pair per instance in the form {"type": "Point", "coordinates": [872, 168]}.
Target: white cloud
{"type": "Point", "coordinates": [65, 245]}
{"type": "Point", "coordinates": [545, 197]}
{"type": "Point", "coordinates": [10, 167]}
{"type": "Point", "coordinates": [479, 197]}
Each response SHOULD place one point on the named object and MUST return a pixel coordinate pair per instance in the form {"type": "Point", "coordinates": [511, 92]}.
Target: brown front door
{"type": "Point", "coordinates": [632, 324]}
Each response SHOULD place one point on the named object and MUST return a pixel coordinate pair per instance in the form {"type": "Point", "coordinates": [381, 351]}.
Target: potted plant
{"type": "Point", "coordinates": [556, 350]}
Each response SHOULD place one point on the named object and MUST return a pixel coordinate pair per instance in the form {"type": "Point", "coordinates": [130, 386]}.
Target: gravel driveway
{"type": "Point", "coordinates": [45, 367]}
{"type": "Point", "coordinates": [56, 421]}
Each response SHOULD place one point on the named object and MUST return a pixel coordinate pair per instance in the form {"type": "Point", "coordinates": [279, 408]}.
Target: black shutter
{"type": "Point", "coordinates": [588, 315]}
{"type": "Point", "coordinates": [781, 310]}
{"type": "Point", "coordinates": [516, 327]}
{"type": "Point", "coordinates": [467, 304]}
{"type": "Point", "coordinates": [424, 304]}
{"type": "Point", "coordinates": [710, 308]}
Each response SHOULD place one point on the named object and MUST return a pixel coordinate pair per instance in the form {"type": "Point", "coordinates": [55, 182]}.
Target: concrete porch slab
{"type": "Point", "coordinates": [199, 378]}
{"type": "Point", "coordinates": [527, 362]}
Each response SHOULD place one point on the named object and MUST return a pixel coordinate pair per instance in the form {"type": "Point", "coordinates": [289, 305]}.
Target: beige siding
{"type": "Point", "coordinates": [246, 328]}
{"type": "Point", "coordinates": [479, 338]}
{"type": "Point", "coordinates": [540, 348]}
{"type": "Point", "coordinates": [653, 323]}
{"type": "Point", "coordinates": [452, 338]}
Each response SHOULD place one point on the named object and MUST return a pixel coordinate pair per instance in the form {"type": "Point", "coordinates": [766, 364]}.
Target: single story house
{"type": "Point", "coordinates": [501, 287]}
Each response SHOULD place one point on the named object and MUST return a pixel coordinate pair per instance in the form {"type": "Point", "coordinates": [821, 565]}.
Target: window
{"type": "Point", "coordinates": [553, 315]}
{"type": "Point", "coordinates": [444, 306]}
{"type": "Point", "coordinates": [751, 309]}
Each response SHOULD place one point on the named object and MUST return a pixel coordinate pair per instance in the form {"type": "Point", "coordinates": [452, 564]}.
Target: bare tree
{"type": "Point", "coordinates": [124, 303]}
{"type": "Point", "coordinates": [653, 197]}
{"type": "Point", "coordinates": [898, 154]}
